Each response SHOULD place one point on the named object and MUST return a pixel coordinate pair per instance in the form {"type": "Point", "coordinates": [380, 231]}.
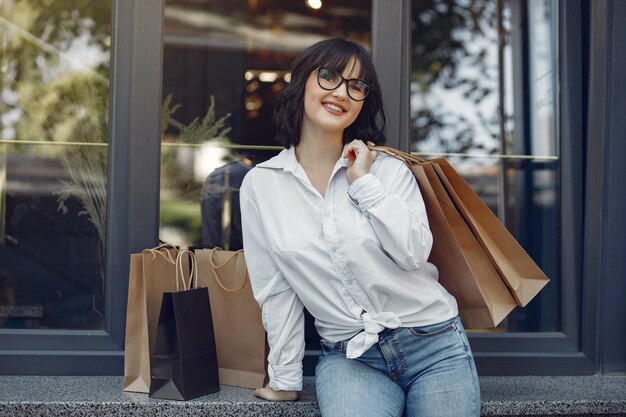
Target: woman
{"type": "Point", "coordinates": [341, 230]}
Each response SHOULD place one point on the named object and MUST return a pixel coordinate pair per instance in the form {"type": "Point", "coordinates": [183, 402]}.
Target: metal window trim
{"type": "Point", "coordinates": [69, 340]}
{"type": "Point", "coordinates": [603, 270]}
{"type": "Point", "coordinates": [58, 362]}
{"type": "Point", "coordinates": [393, 65]}
{"type": "Point", "coordinates": [614, 286]}
{"type": "Point", "coordinates": [133, 223]}
{"type": "Point", "coordinates": [595, 195]}
{"type": "Point", "coordinates": [570, 133]}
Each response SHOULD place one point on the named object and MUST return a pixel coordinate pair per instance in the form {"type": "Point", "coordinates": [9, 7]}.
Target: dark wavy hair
{"type": "Point", "coordinates": [334, 53]}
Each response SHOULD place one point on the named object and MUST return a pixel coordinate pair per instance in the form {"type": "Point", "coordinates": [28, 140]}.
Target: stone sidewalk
{"type": "Point", "coordinates": [69, 396]}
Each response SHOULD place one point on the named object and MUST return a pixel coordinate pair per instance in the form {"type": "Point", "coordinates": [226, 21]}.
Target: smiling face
{"type": "Point", "coordinates": [330, 111]}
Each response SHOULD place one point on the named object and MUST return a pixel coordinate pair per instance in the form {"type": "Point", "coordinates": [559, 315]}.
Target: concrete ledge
{"type": "Point", "coordinates": [102, 396]}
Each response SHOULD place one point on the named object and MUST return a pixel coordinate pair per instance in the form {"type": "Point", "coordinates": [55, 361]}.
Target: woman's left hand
{"type": "Point", "coordinates": [360, 159]}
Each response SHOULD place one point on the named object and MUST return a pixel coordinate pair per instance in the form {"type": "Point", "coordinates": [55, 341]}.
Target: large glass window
{"type": "Point", "coordinates": [54, 93]}
{"type": "Point", "coordinates": [473, 101]}
{"type": "Point", "coordinates": [224, 64]}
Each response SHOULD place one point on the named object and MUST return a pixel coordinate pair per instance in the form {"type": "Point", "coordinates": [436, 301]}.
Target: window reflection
{"type": "Point", "coordinates": [54, 70]}
{"type": "Point", "coordinates": [454, 76]}
{"type": "Point", "coordinates": [466, 90]}
{"type": "Point", "coordinates": [237, 53]}
{"type": "Point", "coordinates": [532, 184]}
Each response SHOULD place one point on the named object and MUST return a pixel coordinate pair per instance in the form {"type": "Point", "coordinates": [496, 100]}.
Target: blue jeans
{"type": "Point", "coordinates": [420, 371]}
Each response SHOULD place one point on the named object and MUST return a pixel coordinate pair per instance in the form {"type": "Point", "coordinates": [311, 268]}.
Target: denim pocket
{"type": "Point", "coordinates": [463, 338]}
{"type": "Point", "coordinates": [434, 329]}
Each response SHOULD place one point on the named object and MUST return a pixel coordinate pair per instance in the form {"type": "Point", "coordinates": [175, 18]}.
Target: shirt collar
{"type": "Point", "coordinates": [287, 161]}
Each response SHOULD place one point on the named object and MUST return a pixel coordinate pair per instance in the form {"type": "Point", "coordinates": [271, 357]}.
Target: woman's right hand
{"type": "Point", "coordinates": [360, 159]}
{"type": "Point", "coordinates": [270, 394]}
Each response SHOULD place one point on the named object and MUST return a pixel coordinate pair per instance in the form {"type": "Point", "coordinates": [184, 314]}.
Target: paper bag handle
{"type": "Point", "coordinates": [215, 267]}
{"type": "Point", "coordinates": [192, 273]}
{"type": "Point", "coordinates": [403, 156]}
{"type": "Point", "coordinates": [156, 252]}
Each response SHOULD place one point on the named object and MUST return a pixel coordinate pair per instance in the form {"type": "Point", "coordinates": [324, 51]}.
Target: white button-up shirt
{"type": "Point", "coordinates": [356, 257]}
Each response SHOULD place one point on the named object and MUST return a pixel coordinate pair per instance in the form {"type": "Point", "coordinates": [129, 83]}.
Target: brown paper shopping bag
{"type": "Point", "coordinates": [464, 269]}
{"type": "Point", "coordinates": [239, 334]}
{"type": "Point", "coordinates": [518, 270]}
{"type": "Point", "coordinates": [152, 273]}
{"type": "Point", "coordinates": [457, 210]}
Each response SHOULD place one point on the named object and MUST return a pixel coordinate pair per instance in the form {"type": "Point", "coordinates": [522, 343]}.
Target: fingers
{"type": "Point", "coordinates": [361, 144]}
{"type": "Point", "coordinates": [349, 153]}
{"type": "Point", "coordinates": [356, 145]}
{"type": "Point", "coordinates": [352, 149]}
{"type": "Point", "coordinates": [360, 159]}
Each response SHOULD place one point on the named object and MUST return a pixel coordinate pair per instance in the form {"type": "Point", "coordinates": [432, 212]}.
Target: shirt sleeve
{"type": "Point", "coordinates": [397, 215]}
{"type": "Point", "coordinates": [282, 310]}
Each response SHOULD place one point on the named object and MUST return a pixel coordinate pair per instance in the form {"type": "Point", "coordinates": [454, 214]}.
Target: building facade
{"type": "Point", "coordinates": [123, 122]}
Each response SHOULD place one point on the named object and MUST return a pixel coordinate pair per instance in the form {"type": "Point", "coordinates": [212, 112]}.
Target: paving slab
{"type": "Point", "coordinates": [80, 396]}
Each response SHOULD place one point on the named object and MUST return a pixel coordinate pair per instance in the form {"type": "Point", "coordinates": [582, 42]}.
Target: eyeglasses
{"type": "Point", "coordinates": [330, 79]}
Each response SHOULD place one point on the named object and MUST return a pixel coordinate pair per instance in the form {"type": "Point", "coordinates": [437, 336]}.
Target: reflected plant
{"type": "Point", "coordinates": [77, 111]}
{"type": "Point", "coordinates": [180, 191]}
{"type": "Point", "coordinates": [176, 171]}
{"type": "Point", "coordinates": [73, 108]}
{"type": "Point", "coordinates": [207, 128]}
{"type": "Point", "coordinates": [87, 169]}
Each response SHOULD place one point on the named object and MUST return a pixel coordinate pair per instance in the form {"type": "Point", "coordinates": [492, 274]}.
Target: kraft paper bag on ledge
{"type": "Point", "coordinates": [518, 270]}
{"type": "Point", "coordinates": [152, 273]}
{"type": "Point", "coordinates": [184, 362]}
{"type": "Point", "coordinates": [239, 333]}
{"type": "Point", "coordinates": [464, 269]}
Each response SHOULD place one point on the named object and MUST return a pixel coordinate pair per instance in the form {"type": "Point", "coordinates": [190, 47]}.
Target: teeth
{"type": "Point", "coordinates": [333, 107]}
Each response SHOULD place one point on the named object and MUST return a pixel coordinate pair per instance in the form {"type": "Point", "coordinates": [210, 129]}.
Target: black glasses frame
{"type": "Point", "coordinates": [346, 80]}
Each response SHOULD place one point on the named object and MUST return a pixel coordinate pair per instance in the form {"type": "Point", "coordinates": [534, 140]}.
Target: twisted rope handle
{"type": "Point", "coordinates": [215, 267]}
{"type": "Point", "coordinates": [192, 273]}
{"type": "Point", "coordinates": [156, 252]}
{"type": "Point", "coordinates": [407, 158]}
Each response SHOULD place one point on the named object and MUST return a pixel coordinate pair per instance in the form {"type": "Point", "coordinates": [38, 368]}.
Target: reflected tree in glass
{"type": "Point", "coordinates": [454, 76]}
{"type": "Point", "coordinates": [54, 86]}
